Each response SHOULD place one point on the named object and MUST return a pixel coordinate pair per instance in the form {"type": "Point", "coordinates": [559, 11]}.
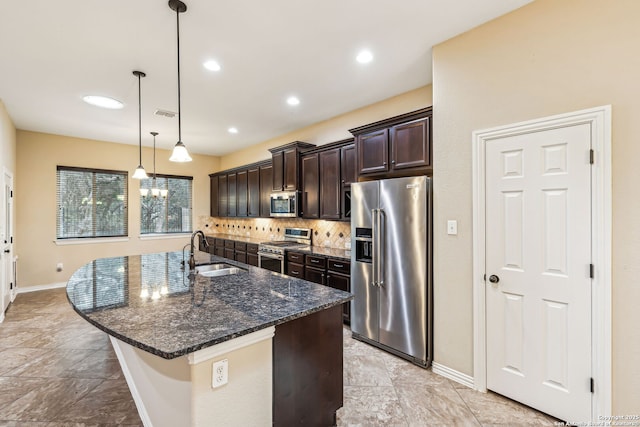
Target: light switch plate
{"type": "Point", "coordinates": [452, 227]}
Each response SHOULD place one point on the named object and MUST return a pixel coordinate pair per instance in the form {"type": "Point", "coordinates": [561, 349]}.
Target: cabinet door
{"type": "Point", "coordinates": [241, 193]}
{"type": "Point", "coordinates": [241, 257]}
{"type": "Point", "coordinates": [223, 196]}
{"type": "Point", "coordinates": [410, 145]}
{"type": "Point", "coordinates": [213, 196]}
{"type": "Point", "coordinates": [348, 168]}
{"type": "Point", "coordinates": [310, 186]}
{"type": "Point", "coordinates": [252, 259]}
{"type": "Point", "coordinates": [219, 251]}
{"type": "Point", "coordinates": [253, 192]}
{"type": "Point", "coordinates": [373, 152]}
{"type": "Point", "coordinates": [330, 184]}
{"type": "Point", "coordinates": [229, 253]}
{"type": "Point", "coordinates": [290, 169]}
{"type": "Point", "coordinates": [233, 198]}
{"type": "Point", "coordinates": [339, 281]}
{"type": "Point", "coordinates": [278, 171]}
{"type": "Point", "coordinates": [266, 187]}
{"type": "Point", "coordinates": [315, 275]}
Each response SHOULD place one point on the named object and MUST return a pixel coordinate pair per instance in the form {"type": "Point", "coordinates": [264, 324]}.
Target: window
{"type": "Point", "coordinates": [171, 214]}
{"type": "Point", "coordinates": [91, 203]}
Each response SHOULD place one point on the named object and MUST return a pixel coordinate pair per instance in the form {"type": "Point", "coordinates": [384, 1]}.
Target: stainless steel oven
{"type": "Point", "coordinates": [271, 261]}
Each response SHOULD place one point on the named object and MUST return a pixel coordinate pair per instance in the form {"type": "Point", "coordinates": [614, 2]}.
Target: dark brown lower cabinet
{"type": "Point", "coordinates": [315, 275]}
{"type": "Point", "coordinates": [229, 253]}
{"type": "Point", "coordinates": [342, 282]}
{"type": "Point", "coordinates": [252, 259]}
{"type": "Point", "coordinates": [307, 370]}
{"type": "Point", "coordinates": [241, 256]}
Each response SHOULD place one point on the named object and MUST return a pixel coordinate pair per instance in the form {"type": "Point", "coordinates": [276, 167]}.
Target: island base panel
{"type": "Point", "coordinates": [307, 370]}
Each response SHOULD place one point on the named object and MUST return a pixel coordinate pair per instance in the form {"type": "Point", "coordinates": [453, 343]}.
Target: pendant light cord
{"type": "Point", "coordinates": [139, 121]}
{"type": "Point", "coordinates": [178, 40]}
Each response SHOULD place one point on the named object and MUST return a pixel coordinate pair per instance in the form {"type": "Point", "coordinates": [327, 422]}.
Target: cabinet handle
{"type": "Point", "coordinates": [295, 272]}
{"type": "Point", "coordinates": [343, 181]}
{"type": "Point", "coordinates": [393, 162]}
{"type": "Point", "coordinates": [315, 261]}
{"type": "Point", "coordinates": [384, 163]}
{"type": "Point", "coordinates": [338, 265]}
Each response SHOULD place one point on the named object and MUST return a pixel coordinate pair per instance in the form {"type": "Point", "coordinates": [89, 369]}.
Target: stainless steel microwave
{"type": "Point", "coordinates": [284, 204]}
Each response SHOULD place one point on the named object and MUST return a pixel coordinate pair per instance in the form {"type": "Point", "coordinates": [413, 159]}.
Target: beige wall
{"type": "Point", "coordinates": [546, 58]}
{"type": "Point", "coordinates": [336, 128]}
{"type": "Point", "coordinates": [35, 198]}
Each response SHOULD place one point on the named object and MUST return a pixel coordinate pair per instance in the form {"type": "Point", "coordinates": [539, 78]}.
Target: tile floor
{"type": "Point", "coordinates": [58, 370]}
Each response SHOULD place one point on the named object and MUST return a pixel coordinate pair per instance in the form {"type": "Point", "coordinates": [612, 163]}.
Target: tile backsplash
{"type": "Point", "coordinates": [335, 234]}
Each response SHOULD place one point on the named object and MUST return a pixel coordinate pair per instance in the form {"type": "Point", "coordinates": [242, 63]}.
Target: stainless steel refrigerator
{"type": "Point", "coordinates": [391, 266]}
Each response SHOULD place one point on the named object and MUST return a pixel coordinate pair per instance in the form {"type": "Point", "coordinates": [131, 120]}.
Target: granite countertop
{"type": "Point", "coordinates": [344, 254]}
{"type": "Point", "coordinates": [190, 312]}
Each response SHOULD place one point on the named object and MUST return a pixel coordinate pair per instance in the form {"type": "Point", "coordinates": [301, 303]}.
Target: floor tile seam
{"type": "Point", "coordinates": [467, 406]}
{"type": "Point", "coordinates": [64, 408]}
{"type": "Point", "coordinates": [395, 392]}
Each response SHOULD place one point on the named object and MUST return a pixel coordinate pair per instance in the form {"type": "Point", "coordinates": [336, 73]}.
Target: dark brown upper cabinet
{"type": "Point", "coordinates": [410, 145]}
{"type": "Point", "coordinates": [223, 196]}
{"type": "Point", "coordinates": [266, 186]}
{"type": "Point", "coordinates": [398, 146]}
{"type": "Point", "coordinates": [373, 152]}
{"type": "Point", "coordinates": [253, 192]}
{"type": "Point", "coordinates": [330, 184]}
{"type": "Point", "coordinates": [213, 195]}
{"type": "Point", "coordinates": [241, 193]}
{"type": "Point", "coordinates": [232, 209]}
{"type": "Point", "coordinates": [348, 165]}
{"type": "Point", "coordinates": [285, 159]}
{"type": "Point", "coordinates": [310, 186]}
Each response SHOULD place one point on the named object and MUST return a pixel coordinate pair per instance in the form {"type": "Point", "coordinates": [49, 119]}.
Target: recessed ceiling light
{"type": "Point", "coordinates": [233, 130]}
{"type": "Point", "coordinates": [103, 101]}
{"type": "Point", "coordinates": [364, 57]}
{"type": "Point", "coordinates": [292, 100]}
{"type": "Point", "coordinates": [212, 65]}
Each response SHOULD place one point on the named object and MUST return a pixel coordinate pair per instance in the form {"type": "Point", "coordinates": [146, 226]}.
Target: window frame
{"type": "Point", "coordinates": [166, 234]}
{"type": "Point", "coordinates": [93, 237]}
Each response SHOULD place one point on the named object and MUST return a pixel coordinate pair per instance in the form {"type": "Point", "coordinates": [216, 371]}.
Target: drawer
{"type": "Point", "coordinates": [295, 270]}
{"type": "Point", "coordinates": [218, 242]}
{"type": "Point", "coordinates": [211, 241]}
{"type": "Point", "coordinates": [219, 251]}
{"type": "Point", "coordinates": [252, 259]}
{"type": "Point", "coordinates": [229, 253]}
{"type": "Point", "coordinates": [339, 266]}
{"type": "Point", "coordinates": [316, 261]}
{"type": "Point", "coordinates": [229, 244]}
{"type": "Point", "coordinates": [241, 246]}
{"type": "Point", "coordinates": [296, 257]}
{"type": "Point", "coordinates": [252, 248]}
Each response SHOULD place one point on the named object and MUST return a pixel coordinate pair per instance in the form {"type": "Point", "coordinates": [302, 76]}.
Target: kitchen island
{"type": "Point", "coordinates": [281, 338]}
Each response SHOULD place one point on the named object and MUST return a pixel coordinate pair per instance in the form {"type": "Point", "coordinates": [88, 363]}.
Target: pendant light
{"type": "Point", "coordinates": [140, 172]}
{"type": "Point", "coordinates": [180, 153]}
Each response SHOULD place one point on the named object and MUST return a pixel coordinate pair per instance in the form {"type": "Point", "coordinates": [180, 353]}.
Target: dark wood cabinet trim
{"type": "Point", "coordinates": [391, 121]}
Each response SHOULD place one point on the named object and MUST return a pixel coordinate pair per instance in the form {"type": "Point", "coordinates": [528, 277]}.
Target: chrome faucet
{"type": "Point", "coordinates": [192, 260]}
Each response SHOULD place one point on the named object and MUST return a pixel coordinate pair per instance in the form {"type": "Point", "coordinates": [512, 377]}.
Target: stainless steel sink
{"type": "Point", "coordinates": [218, 269]}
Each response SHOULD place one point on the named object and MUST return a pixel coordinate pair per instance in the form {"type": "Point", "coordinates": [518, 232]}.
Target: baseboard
{"type": "Point", "coordinates": [452, 374]}
{"type": "Point", "coordinates": [137, 399]}
{"type": "Point", "coordinates": [20, 290]}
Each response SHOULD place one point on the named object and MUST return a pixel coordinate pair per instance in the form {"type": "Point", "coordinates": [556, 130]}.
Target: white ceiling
{"type": "Point", "coordinates": [52, 53]}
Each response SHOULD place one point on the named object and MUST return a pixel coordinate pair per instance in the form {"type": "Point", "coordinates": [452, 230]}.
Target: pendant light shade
{"type": "Point", "coordinates": [155, 191]}
{"type": "Point", "coordinates": [139, 173]}
{"type": "Point", "coordinates": [180, 153]}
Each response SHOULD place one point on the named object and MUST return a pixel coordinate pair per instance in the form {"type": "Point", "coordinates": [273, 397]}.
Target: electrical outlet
{"type": "Point", "coordinates": [220, 373]}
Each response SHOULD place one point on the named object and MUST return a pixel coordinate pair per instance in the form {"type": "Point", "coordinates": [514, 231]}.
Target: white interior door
{"type": "Point", "coordinates": [538, 256]}
{"type": "Point", "coordinates": [6, 242]}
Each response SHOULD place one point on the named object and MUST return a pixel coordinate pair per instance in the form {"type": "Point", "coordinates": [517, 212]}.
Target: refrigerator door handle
{"type": "Point", "coordinates": [374, 248]}
{"type": "Point", "coordinates": [382, 230]}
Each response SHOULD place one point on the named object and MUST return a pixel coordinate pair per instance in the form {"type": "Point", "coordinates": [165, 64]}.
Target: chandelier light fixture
{"type": "Point", "coordinates": [139, 172]}
{"type": "Point", "coordinates": [180, 153]}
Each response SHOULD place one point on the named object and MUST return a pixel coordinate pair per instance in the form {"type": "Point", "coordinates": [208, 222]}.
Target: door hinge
{"type": "Point", "coordinates": [10, 285]}
{"type": "Point", "coordinates": [592, 156]}
{"type": "Point", "coordinates": [592, 271]}
{"type": "Point", "coordinates": [592, 384]}
{"type": "Point", "coordinates": [484, 277]}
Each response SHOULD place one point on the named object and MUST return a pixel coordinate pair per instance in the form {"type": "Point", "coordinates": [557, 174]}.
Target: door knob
{"type": "Point", "coordinates": [494, 279]}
